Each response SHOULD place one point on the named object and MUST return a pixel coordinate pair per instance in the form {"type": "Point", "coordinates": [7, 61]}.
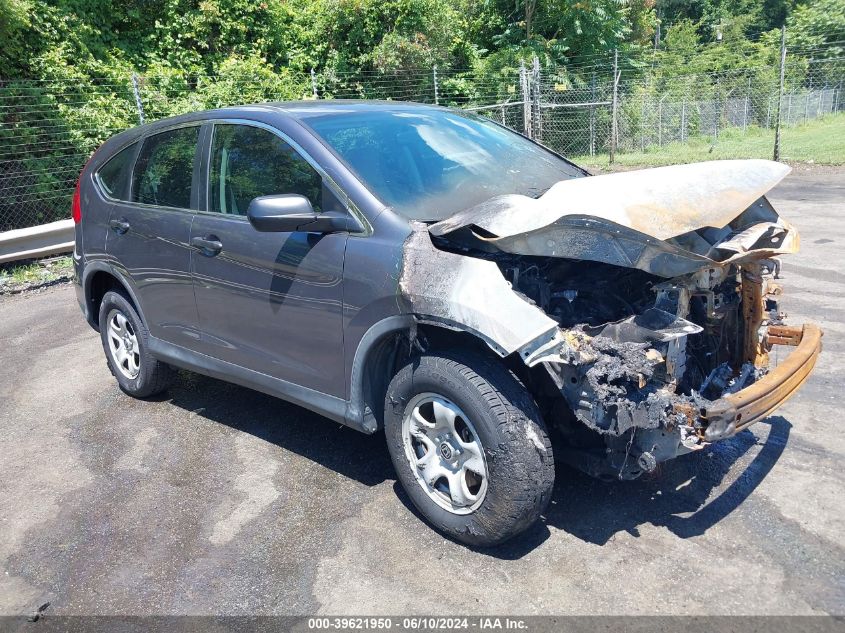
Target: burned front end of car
{"type": "Point", "coordinates": [661, 304]}
{"type": "Point", "coordinates": [644, 369]}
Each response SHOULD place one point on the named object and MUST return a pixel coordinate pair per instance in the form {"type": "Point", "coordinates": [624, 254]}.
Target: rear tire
{"type": "Point", "coordinates": [125, 341]}
{"type": "Point", "coordinates": [440, 409]}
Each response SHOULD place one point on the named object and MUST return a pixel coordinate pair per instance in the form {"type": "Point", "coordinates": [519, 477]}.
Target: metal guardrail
{"type": "Point", "coordinates": [37, 241]}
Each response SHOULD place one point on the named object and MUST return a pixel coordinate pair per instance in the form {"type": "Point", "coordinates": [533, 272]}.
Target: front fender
{"type": "Point", "coordinates": [468, 293]}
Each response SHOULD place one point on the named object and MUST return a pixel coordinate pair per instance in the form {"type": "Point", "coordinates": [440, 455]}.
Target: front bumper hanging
{"type": "Point", "coordinates": [733, 413]}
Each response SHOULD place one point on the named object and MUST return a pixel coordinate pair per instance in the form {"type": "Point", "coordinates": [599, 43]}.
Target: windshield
{"type": "Point", "coordinates": [428, 164]}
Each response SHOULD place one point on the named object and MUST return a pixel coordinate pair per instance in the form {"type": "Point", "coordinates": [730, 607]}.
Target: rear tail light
{"type": "Point", "coordinates": [76, 207]}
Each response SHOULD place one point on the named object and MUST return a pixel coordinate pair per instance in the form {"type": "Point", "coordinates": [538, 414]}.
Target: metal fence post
{"type": "Point", "coordinates": [660, 121]}
{"type": "Point", "coordinates": [780, 91]}
{"type": "Point", "coordinates": [684, 120]}
{"type": "Point", "coordinates": [137, 92]}
{"type": "Point", "coordinates": [436, 92]}
{"type": "Point", "coordinates": [614, 123]}
{"type": "Point", "coordinates": [526, 103]}
{"type": "Point", "coordinates": [593, 114]}
{"type": "Point", "coordinates": [745, 110]}
{"type": "Point", "coordinates": [642, 122]}
{"type": "Point", "coordinates": [314, 84]}
{"type": "Point", "coordinates": [717, 110]}
{"type": "Point", "coordinates": [536, 117]}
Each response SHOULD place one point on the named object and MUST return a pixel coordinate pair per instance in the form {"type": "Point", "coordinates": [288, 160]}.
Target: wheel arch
{"type": "Point", "coordinates": [99, 278]}
{"type": "Point", "coordinates": [382, 350]}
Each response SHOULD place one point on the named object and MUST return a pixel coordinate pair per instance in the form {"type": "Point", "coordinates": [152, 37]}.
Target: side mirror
{"type": "Point", "coordinates": [289, 212]}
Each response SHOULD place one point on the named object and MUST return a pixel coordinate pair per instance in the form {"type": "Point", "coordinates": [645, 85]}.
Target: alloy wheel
{"type": "Point", "coordinates": [444, 452]}
{"type": "Point", "coordinates": [123, 344]}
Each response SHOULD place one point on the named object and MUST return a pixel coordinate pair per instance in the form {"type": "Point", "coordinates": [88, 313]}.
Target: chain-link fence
{"type": "Point", "coordinates": [682, 117]}
{"type": "Point", "coordinates": [604, 110]}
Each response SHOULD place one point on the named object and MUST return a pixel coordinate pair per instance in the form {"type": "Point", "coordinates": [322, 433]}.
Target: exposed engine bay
{"type": "Point", "coordinates": [604, 301]}
{"type": "Point", "coordinates": [650, 353]}
{"type": "Point", "coordinates": [642, 326]}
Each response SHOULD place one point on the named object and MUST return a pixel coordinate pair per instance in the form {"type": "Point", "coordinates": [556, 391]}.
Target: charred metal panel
{"type": "Point", "coordinates": [468, 293]}
{"type": "Point", "coordinates": [667, 221]}
{"type": "Point", "coordinates": [663, 202]}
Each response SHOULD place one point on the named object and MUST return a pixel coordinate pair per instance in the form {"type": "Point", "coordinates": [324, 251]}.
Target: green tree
{"type": "Point", "coordinates": [14, 22]}
{"type": "Point", "coordinates": [561, 30]}
{"type": "Point", "coordinates": [821, 25]}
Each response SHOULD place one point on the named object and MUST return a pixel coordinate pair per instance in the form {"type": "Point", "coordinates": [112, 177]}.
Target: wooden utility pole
{"type": "Point", "coordinates": [527, 127]}
{"type": "Point", "coordinates": [780, 90]}
{"type": "Point", "coordinates": [614, 125]}
{"type": "Point", "coordinates": [593, 114]}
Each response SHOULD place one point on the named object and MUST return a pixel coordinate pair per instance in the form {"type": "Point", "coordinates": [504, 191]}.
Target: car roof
{"type": "Point", "coordinates": [321, 107]}
{"type": "Point", "coordinates": [305, 109]}
{"type": "Point", "coordinates": [293, 109]}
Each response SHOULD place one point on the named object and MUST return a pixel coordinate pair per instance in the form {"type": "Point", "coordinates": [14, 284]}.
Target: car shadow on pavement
{"type": "Point", "coordinates": [688, 495]}
{"type": "Point", "coordinates": [355, 455]}
{"type": "Point", "coordinates": [677, 496]}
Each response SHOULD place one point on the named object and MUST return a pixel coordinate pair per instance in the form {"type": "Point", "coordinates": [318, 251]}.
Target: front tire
{"type": "Point", "coordinates": [125, 341]}
{"type": "Point", "coordinates": [469, 446]}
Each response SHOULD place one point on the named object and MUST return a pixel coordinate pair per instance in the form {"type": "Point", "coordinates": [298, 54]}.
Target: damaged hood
{"type": "Point", "coordinates": [667, 221]}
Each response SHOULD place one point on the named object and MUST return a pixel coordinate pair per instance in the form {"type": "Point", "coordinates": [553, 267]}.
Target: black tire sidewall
{"type": "Point", "coordinates": [513, 463]}
{"type": "Point", "coordinates": [142, 385]}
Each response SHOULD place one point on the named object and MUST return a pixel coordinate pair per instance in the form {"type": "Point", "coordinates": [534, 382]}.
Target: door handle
{"type": "Point", "coordinates": [208, 245]}
{"type": "Point", "coordinates": [120, 226]}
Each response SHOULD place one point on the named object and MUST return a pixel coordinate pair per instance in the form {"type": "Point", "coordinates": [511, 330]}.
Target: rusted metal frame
{"type": "Point", "coordinates": [768, 393]}
{"type": "Point", "coordinates": [784, 335]}
{"type": "Point", "coordinates": [752, 313]}
{"type": "Point", "coordinates": [738, 411]}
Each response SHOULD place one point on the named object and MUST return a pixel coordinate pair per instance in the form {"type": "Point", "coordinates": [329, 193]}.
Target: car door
{"type": "Point", "coordinates": [149, 232]}
{"type": "Point", "coordinates": [269, 302]}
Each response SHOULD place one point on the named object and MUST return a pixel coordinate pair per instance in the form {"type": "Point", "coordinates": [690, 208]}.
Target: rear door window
{"type": "Point", "coordinates": [247, 162]}
{"type": "Point", "coordinates": [113, 177]}
{"type": "Point", "coordinates": [164, 170]}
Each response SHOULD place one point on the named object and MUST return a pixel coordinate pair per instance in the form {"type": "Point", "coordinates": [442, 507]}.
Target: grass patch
{"type": "Point", "coordinates": [821, 141]}
{"type": "Point", "coordinates": [19, 277]}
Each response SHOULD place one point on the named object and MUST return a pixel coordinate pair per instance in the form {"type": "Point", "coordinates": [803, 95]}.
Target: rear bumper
{"type": "Point", "coordinates": [77, 284]}
{"type": "Point", "coordinates": [733, 413]}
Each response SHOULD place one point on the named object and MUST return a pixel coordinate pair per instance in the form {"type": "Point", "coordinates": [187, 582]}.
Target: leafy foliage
{"type": "Point", "coordinates": [208, 37]}
{"type": "Point", "coordinates": [67, 66]}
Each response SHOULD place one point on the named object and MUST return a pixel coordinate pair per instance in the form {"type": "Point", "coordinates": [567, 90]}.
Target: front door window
{"type": "Point", "coordinates": [248, 162]}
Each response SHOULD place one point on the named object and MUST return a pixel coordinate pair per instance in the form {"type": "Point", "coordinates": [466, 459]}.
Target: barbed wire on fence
{"type": "Point", "coordinates": [49, 127]}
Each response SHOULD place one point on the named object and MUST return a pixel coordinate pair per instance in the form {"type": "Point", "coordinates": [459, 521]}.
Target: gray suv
{"type": "Point", "coordinates": [430, 273]}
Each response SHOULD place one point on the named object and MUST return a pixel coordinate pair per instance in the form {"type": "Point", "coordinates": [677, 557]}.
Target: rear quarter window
{"type": "Point", "coordinates": [163, 173]}
{"type": "Point", "coordinates": [113, 177]}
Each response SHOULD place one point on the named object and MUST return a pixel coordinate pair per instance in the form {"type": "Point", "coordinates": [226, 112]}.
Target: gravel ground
{"type": "Point", "coordinates": [214, 499]}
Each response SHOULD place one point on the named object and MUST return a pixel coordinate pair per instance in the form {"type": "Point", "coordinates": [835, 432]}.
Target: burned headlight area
{"type": "Point", "coordinates": [639, 357]}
